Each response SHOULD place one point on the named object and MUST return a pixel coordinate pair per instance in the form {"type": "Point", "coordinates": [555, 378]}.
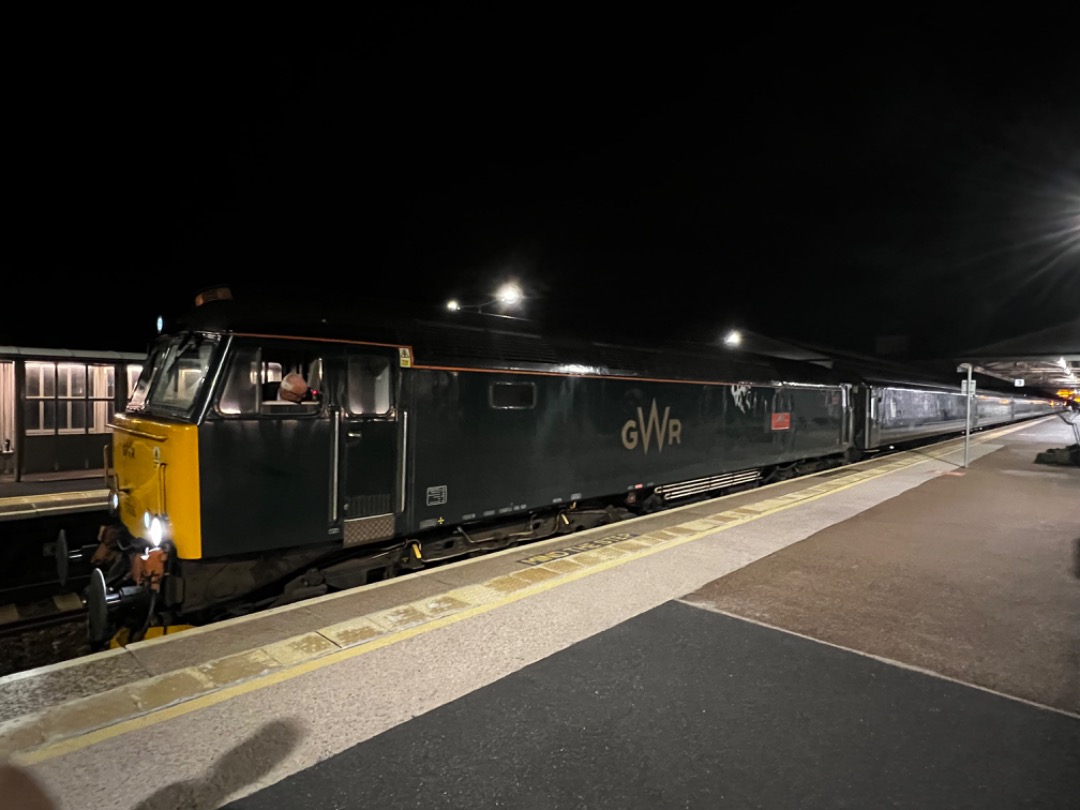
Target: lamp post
{"type": "Point", "coordinates": [968, 389]}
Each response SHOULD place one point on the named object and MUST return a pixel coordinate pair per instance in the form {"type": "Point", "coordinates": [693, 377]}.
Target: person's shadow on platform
{"type": "Point", "coordinates": [243, 764]}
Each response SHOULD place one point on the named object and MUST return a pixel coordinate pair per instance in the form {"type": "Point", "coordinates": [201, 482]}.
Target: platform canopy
{"type": "Point", "coordinates": [1048, 359]}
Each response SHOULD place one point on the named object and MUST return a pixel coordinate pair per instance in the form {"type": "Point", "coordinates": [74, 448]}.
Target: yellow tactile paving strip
{"type": "Point", "coordinates": [82, 722]}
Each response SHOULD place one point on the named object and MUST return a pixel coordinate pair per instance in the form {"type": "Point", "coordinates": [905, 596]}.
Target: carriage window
{"type": "Point", "coordinates": [253, 383]}
{"type": "Point", "coordinates": [369, 385]}
{"type": "Point", "coordinates": [518, 396]}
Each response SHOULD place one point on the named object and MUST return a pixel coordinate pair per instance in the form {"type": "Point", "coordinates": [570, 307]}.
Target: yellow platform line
{"type": "Point", "coordinates": [44, 736]}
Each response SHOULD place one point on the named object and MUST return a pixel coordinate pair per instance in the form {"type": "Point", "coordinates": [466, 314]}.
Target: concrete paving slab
{"type": "Point", "coordinates": [682, 708]}
{"type": "Point", "coordinates": [967, 575]}
{"type": "Point", "coordinates": [28, 692]}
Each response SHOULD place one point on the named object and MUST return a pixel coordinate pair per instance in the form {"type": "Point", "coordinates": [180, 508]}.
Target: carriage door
{"type": "Point", "coordinates": [370, 440]}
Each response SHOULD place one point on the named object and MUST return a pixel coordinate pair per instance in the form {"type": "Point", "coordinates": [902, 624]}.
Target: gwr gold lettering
{"type": "Point", "coordinates": [665, 430]}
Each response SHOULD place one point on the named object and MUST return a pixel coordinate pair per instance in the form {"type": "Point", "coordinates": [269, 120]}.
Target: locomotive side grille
{"type": "Point", "coordinates": [435, 345]}
{"type": "Point", "coordinates": [364, 505]}
{"type": "Point", "coordinates": [462, 345]}
{"type": "Point", "coordinates": [624, 361]}
{"type": "Point", "coordinates": [523, 348]}
{"type": "Point", "coordinates": [700, 486]}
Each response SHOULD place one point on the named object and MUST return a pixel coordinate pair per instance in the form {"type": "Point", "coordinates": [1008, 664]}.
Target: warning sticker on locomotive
{"type": "Point", "coordinates": [568, 551]}
{"type": "Point", "coordinates": [781, 421]}
{"type": "Point", "coordinates": [405, 357]}
{"type": "Point", "coordinates": [436, 496]}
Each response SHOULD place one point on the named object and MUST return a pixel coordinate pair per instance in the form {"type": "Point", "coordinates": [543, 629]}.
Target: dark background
{"type": "Point", "coordinates": [834, 182]}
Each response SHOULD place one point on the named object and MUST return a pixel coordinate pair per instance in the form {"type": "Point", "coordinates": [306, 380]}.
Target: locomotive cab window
{"type": "Point", "coordinates": [173, 378]}
{"type": "Point", "coordinates": [369, 385]}
{"type": "Point", "coordinates": [272, 382]}
{"type": "Point", "coordinates": [513, 396]}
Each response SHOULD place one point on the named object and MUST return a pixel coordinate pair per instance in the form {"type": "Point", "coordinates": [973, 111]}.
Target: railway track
{"type": "Point", "coordinates": [16, 619]}
{"type": "Point", "coordinates": [41, 633]}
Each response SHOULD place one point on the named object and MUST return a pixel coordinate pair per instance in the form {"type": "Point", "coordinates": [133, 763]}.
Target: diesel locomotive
{"type": "Point", "coordinates": [424, 439]}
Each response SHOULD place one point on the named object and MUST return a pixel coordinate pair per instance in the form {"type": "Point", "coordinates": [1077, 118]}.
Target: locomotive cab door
{"type": "Point", "coordinates": [369, 438]}
{"type": "Point", "coordinates": [264, 456]}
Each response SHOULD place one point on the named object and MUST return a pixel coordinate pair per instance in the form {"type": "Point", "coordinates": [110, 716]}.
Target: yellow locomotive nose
{"type": "Point", "coordinates": [156, 480]}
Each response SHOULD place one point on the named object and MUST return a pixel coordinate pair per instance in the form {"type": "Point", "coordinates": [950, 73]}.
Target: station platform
{"type": "Point", "coordinates": [44, 496]}
{"type": "Point", "coordinates": [902, 632]}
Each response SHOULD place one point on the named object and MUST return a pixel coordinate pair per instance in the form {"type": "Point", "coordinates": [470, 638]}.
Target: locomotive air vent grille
{"type": "Point", "coordinates": [364, 505]}
{"type": "Point", "coordinates": [524, 348]}
{"type": "Point", "coordinates": [433, 345]}
{"type": "Point", "coordinates": [624, 361]}
{"type": "Point", "coordinates": [701, 486]}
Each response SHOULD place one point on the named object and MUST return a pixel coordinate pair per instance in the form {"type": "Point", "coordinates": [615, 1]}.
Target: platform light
{"type": "Point", "coordinates": [733, 338]}
{"type": "Point", "coordinates": [509, 294]}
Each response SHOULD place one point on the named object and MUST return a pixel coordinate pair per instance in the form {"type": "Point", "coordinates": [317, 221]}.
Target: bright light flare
{"type": "Point", "coordinates": [509, 294]}
{"type": "Point", "coordinates": [453, 305]}
{"type": "Point", "coordinates": [733, 338]}
{"type": "Point", "coordinates": [157, 531]}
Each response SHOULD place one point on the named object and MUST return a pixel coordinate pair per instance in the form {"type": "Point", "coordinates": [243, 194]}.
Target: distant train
{"type": "Point", "coordinates": [412, 441]}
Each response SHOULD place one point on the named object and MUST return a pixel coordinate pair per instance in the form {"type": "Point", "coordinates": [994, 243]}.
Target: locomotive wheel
{"type": "Point", "coordinates": [62, 561]}
{"type": "Point", "coordinates": [97, 609]}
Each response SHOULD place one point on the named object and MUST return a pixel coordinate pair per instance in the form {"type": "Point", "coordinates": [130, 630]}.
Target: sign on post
{"type": "Point", "coordinates": [965, 389]}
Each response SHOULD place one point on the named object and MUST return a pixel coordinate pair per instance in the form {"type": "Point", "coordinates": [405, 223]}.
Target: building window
{"type": "Point", "coordinates": [39, 410]}
{"type": "Point", "coordinates": [68, 398]}
{"type": "Point", "coordinates": [102, 397]}
{"type": "Point", "coordinates": [133, 372]}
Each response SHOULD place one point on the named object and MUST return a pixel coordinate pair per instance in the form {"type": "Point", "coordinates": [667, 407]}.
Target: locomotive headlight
{"type": "Point", "coordinates": [157, 531]}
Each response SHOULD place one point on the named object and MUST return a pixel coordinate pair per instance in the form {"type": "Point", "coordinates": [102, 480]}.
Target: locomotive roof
{"type": "Point", "coordinates": [470, 340]}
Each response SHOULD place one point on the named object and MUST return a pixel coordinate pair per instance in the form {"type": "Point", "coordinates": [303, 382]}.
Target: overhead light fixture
{"type": "Point", "coordinates": [509, 294]}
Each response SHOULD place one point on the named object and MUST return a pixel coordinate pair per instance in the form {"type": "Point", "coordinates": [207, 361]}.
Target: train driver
{"type": "Point", "coordinates": [293, 388]}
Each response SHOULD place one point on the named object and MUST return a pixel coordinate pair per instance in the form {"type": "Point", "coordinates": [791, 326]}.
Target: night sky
{"type": "Point", "coordinates": [823, 187]}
